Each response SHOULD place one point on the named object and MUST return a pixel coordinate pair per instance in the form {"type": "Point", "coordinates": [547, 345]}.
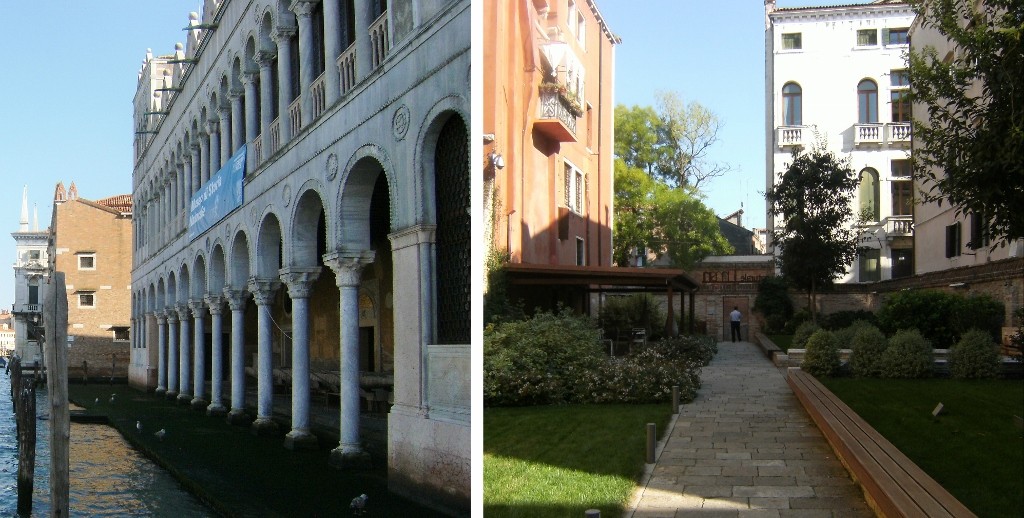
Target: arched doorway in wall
{"type": "Point", "coordinates": [451, 191]}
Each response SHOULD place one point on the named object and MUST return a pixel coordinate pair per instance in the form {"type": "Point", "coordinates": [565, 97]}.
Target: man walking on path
{"type": "Point", "coordinates": [735, 317]}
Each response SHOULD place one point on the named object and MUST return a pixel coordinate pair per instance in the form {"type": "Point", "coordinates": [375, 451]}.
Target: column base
{"type": "Point", "coordinates": [199, 404]}
{"type": "Point", "coordinates": [171, 394]}
{"type": "Point", "coordinates": [238, 418]}
{"type": "Point", "coordinates": [300, 440]}
{"type": "Point", "coordinates": [160, 391]}
{"type": "Point", "coordinates": [263, 426]}
{"type": "Point", "coordinates": [184, 399]}
{"type": "Point", "coordinates": [347, 459]}
{"type": "Point", "coordinates": [216, 409]}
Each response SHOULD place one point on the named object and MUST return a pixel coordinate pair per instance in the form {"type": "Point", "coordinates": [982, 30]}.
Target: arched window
{"type": "Point", "coordinates": [867, 101]}
{"type": "Point", "coordinates": [868, 194]}
{"type": "Point", "coordinates": [792, 105]}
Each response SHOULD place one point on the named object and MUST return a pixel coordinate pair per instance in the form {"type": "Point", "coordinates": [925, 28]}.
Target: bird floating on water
{"type": "Point", "coordinates": [358, 504]}
{"type": "Point", "coordinates": [138, 425]}
{"type": "Point", "coordinates": [97, 401]}
{"type": "Point", "coordinates": [160, 434]}
{"type": "Point", "coordinates": [112, 396]}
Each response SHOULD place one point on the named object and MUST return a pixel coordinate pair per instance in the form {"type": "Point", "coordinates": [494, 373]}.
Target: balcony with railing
{"type": "Point", "coordinates": [347, 69]}
{"type": "Point", "coordinates": [557, 113]}
{"type": "Point", "coordinates": [790, 136]}
{"type": "Point", "coordinates": [295, 117]}
{"type": "Point", "coordinates": [319, 97]}
{"type": "Point", "coordinates": [867, 134]}
{"type": "Point", "coordinates": [899, 132]}
{"type": "Point", "coordinates": [899, 226]}
{"type": "Point", "coordinates": [380, 44]}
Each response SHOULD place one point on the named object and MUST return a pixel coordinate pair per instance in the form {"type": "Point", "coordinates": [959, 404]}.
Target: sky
{"type": "Point", "coordinates": [68, 76]}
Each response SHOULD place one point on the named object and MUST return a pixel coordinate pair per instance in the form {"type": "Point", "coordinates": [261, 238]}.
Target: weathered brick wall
{"type": "Point", "coordinates": [82, 226]}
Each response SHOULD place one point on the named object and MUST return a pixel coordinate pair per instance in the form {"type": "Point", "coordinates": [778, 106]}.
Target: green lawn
{"type": "Point", "coordinates": [562, 460]}
{"type": "Point", "coordinates": [974, 448]}
{"type": "Point", "coordinates": [783, 341]}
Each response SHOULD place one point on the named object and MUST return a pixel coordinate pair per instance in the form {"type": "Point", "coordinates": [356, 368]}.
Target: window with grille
{"type": "Point", "coordinates": [120, 333]}
{"type": "Point", "coordinates": [86, 299]}
{"type": "Point", "coordinates": [792, 41]}
{"type": "Point", "coordinates": [86, 261]}
{"type": "Point", "coordinates": [867, 37]}
{"type": "Point", "coordinates": [451, 190]}
{"type": "Point", "coordinates": [573, 188]}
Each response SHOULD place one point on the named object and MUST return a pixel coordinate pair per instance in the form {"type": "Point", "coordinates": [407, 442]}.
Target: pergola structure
{"type": "Point", "coordinates": [545, 285]}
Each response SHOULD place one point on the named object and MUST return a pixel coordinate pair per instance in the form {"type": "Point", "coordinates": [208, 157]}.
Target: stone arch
{"type": "Point", "coordinates": [268, 247]}
{"type": "Point", "coordinates": [355, 195]}
{"type": "Point", "coordinates": [215, 279]}
{"type": "Point", "coordinates": [426, 145]}
{"type": "Point", "coordinates": [184, 284]}
{"type": "Point", "coordinates": [239, 263]}
{"type": "Point", "coordinates": [307, 239]}
{"type": "Point", "coordinates": [199, 280]}
{"type": "Point", "coordinates": [171, 296]}
{"type": "Point", "coordinates": [451, 177]}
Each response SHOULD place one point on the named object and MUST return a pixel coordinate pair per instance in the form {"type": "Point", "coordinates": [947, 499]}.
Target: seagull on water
{"type": "Point", "coordinates": [358, 504]}
{"type": "Point", "coordinates": [97, 401]}
{"type": "Point", "coordinates": [160, 434]}
{"type": "Point", "coordinates": [138, 425]}
{"type": "Point", "coordinates": [112, 396]}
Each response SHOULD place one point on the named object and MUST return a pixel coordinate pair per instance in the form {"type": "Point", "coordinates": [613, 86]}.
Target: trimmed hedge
{"type": "Point", "coordinates": [909, 355]}
{"type": "Point", "coordinates": [974, 356]}
{"type": "Point", "coordinates": [942, 317]}
{"type": "Point", "coordinates": [822, 356]}
{"type": "Point", "coordinates": [803, 333]}
{"type": "Point", "coordinates": [866, 349]}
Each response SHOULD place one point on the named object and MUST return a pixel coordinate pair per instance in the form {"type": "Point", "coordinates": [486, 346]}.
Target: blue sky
{"type": "Point", "coordinates": [66, 90]}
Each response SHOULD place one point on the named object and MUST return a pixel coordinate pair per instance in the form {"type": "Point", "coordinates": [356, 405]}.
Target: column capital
{"type": "Point", "coordinates": [283, 35]}
{"type": "Point", "coordinates": [299, 280]}
{"type": "Point", "coordinates": [215, 303]}
{"type": "Point", "coordinates": [171, 315]}
{"type": "Point", "coordinates": [264, 57]}
{"type": "Point", "coordinates": [161, 318]}
{"type": "Point", "coordinates": [212, 126]}
{"type": "Point", "coordinates": [248, 79]}
{"type": "Point", "coordinates": [183, 311]}
{"type": "Point", "coordinates": [235, 298]}
{"type": "Point", "coordinates": [348, 266]}
{"type": "Point", "coordinates": [263, 289]}
{"type": "Point", "coordinates": [302, 8]}
{"type": "Point", "coordinates": [197, 306]}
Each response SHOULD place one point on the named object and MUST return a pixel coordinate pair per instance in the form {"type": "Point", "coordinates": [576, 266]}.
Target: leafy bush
{"type": "Point", "coordinates": [974, 356]}
{"type": "Point", "coordinates": [540, 360]}
{"type": "Point", "coordinates": [648, 374]}
{"type": "Point", "coordinates": [844, 319]}
{"type": "Point", "coordinates": [625, 313]}
{"type": "Point", "coordinates": [909, 355]}
{"type": "Point", "coordinates": [774, 303]}
{"type": "Point", "coordinates": [866, 349]}
{"type": "Point", "coordinates": [822, 356]}
{"type": "Point", "coordinates": [844, 336]}
{"type": "Point", "coordinates": [803, 332]}
{"type": "Point", "coordinates": [940, 316]}
{"type": "Point", "coordinates": [796, 320]}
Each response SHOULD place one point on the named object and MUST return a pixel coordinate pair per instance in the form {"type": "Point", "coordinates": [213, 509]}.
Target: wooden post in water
{"type": "Point", "coordinates": [23, 392]}
{"type": "Point", "coordinates": [55, 319]}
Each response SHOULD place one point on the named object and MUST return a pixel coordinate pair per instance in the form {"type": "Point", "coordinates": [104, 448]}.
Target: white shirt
{"type": "Point", "coordinates": [735, 315]}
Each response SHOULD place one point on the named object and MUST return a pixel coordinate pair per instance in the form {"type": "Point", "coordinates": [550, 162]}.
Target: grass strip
{"type": "Point", "coordinates": [563, 460]}
{"type": "Point", "coordinates": [234, 471]}
{"type": "Point", "coordinates": [783, 341]}
{"type": "Point", "coordinates": [973, 448]}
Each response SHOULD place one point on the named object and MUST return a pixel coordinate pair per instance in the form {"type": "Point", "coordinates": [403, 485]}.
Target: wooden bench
{"type": "Point", "coordinates": [772, 351]}
{"type": "Point", "coordinates": [893, 485]}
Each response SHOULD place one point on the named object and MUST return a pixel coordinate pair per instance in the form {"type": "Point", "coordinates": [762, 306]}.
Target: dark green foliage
{"type": "Point", "coordinates": [822, 356]}
{"type": "Point", "coordinates": [497, 306]}
{"type": "Point", "coordinates": [842, 319]}
{"type": "Point", "coordinates": [798, 318]}
{"type": "Point", "coordinates": [539, 361]}
{"type": "Point", "coordinates": [774, 303]}
{"type": "Point", "coordinates": [969, 150]}
{"type": "Point", "coordinates": [627, 312]}
{"type": "Point", "coordinates": [802, 333]}
{"type": "Point", "coordinates": [940, 316]}
{"type": "Point", "coordinates": [813, 198]}
{"type": "Point", "coordinates": [844, 336]}
{"type": "Point", "coordinates": [974, 356]}
{"type": "Point", "coordinates": [649, 373]}
{"type": "Point", "coordinates": [909, 355]}
{"type": "Point", "coordinates": [866, 349]}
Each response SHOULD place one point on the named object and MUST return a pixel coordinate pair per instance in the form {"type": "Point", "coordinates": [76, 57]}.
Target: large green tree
{"type": "Point", "coordinates": [813, 199]}
{"type": "Point", "coordinates": [656, 206]}
{"type": "Point", "coordinates": [969, 152]}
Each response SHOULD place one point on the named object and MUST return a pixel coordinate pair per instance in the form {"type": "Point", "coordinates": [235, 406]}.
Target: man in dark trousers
{"type": "Point", "coordinates": [735, 317]}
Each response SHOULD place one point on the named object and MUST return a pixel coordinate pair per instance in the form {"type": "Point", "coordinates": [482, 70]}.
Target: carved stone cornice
{"type": "Point", "coordinates": [299, 280]}
{"type": "Point", "coordinates": [348, 266]}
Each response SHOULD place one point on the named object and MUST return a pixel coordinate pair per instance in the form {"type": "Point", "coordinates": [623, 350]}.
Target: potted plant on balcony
{"type": "Point", "coordinates": [568, 97]}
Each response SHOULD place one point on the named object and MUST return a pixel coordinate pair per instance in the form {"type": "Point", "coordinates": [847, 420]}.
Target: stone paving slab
{"type": "Point", "coordinates": [745, 448]}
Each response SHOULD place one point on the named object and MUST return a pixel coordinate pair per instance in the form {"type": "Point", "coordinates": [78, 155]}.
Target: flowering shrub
{"type": "Point", "coordinates": [909, 355]}
{"type": "Point", "coordinates": [822, 357]}
{"type": "Point", "coordinates": [802, 333]}
{"type": "Point", "coordinates": [974, 356]}
{"type": "Point", "coordinates": [556, 358]}
{"type": "Point", "coordinates": [867, 346]}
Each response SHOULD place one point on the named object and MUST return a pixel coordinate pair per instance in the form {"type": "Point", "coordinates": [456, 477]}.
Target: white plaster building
{"type": "Point", "coordinates": [838, 72]}
{"type": "Point", "coordinates": [331, 250]}
{"type": "Point", "coordinates": [30, 275]}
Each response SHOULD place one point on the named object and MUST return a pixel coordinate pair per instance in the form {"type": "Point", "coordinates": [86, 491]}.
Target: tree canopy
{"type": "Point", "coordinates": [813, 197]}
{"type": "Point", "coordinates": [657, 204]}
{"type": "Point", "coordinates": [969, 151]}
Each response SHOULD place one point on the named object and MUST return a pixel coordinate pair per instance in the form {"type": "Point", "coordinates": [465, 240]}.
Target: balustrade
{"type": "Point", "coordinates": [319, 97]}
{"type": "Point", "coordinates": [379, 41]}
{"type": "Point", "coordinates": [347, 68]}
{"type": "Point", "coordinates": [295, 116]}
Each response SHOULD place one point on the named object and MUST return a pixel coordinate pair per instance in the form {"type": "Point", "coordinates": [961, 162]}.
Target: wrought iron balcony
{"type": "Point", "coordinates": [557, 113]}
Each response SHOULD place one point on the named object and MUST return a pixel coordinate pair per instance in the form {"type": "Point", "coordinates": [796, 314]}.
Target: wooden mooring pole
{"type": "Point", "coordinates": [55, 320]}
{"type": "Point", "coordinates": [23, 394]}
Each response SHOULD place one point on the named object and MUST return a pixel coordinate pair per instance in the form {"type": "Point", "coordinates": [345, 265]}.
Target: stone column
{"type": "Point", "coordinates": [332, 49]}
{"type": "Point", "coordinates": [300, 283]}
{"type": "Point", "coordinates": [263, 293]}
{"type": "Point", "coordinates": [348, 270]}
{"type": "Point", "coordinates": [186, 195]}
{"type": "Point", "coordinates": [252, 125]}
{"type": "Point", "coordinates": [172, 353]}
{"type": "Point", "coordinates": [204, 158]}
{"type": "Point", "coordinates": [197, 167]}
{"type": "Point", "coordinates": [283, 39]}
{"type": "Point", "coordinates": [182, 185]}
{"type": "Point", "coordinates": [175, 206]}
{"type": "Point", "coordinates": [265, 59]}
{"type": "Point", "coordinates": [226, 130]}
{"type": "Point", "coordinates": [216, 305]}
{"type": "Point", "coordinates": [304, 11]}
{"type": "Point", "coordinates": [213, 129]}
{"type": "Point", "coordinates": [363, 45]}
{"type": "Point", "coordinates": [199, 401]}
{"type": "Point", "coordinates": [161, 352]}
{"type": "Point", "coordinates": [236, 301]}
{"type": "Point", "coordinates": [184, 356]}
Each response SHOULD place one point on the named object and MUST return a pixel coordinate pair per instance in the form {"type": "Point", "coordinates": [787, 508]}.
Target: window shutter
{"type": "Point", "coordinates": [885, 36]}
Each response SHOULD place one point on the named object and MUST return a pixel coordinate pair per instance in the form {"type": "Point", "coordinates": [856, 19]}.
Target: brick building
{"type": "Point", "coordinates": [90, 241]}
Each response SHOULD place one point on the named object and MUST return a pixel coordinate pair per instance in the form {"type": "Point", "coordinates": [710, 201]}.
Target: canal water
{"type": "Point", "coordinates": [108, 476]}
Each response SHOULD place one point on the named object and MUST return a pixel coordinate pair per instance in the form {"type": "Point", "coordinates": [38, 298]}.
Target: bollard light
{"type": "Point", "coordinates": [593, 513]}
{"type": "Point", "coordinates": [652, 437]}
{"type": "Point", "coordinates": [675, 399]}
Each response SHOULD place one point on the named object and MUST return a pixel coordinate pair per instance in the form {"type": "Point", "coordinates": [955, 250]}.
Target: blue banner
{"type": "Point", "coordinates": [218, 197]}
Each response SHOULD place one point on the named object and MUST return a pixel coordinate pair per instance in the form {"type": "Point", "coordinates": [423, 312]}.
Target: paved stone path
{"type": "Point", "coordinates": [746, 447]}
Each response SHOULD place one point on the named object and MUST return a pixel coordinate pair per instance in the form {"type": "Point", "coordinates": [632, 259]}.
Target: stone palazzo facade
{"type": "Point", "coordinates": [301, 188]}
